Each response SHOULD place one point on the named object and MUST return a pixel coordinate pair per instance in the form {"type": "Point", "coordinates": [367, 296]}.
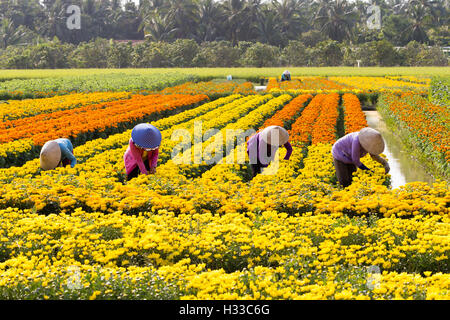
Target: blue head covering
{"type": "Point", "coordinates": [146, 136]}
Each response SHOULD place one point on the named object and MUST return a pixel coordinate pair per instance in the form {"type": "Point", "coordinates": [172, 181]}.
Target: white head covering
{"type": "Point", "coordinates": [50, 155]}
{"type": "Point", "coordinates": [371, 140]}
{"type": "Point", "coordinates": [275, 135]}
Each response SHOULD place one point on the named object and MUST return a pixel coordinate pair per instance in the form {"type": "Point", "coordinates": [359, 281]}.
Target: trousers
{"type": "Point", "coordinates": [344, 172]}
{"type": "Point", "coordinates": [136, 171]}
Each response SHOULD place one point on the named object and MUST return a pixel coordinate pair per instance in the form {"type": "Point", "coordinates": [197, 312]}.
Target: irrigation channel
{"type": "Point", "coordinates": [404, 168]}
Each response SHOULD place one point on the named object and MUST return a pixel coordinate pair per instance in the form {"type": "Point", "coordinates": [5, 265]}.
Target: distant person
{"type": "Point", "coordinates": [348, 150]}
{"type": "Point", "coordinates": [272, 137]}
{"type": "Point", "coordinates": [286, 76]}
{"type": "Point", "coordinates": [57, 153]}
{"type": "Point", "coordinates": [142, 153]}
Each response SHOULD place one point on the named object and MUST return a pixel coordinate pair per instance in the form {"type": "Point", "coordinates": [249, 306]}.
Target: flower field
{"type": "Point", "coordinates": [211, 89]}
{"type": "Point", "coordinates": [43, 87]}
{"type": "Point", "coordinates": [206, 229]}
{"type": "Point", "coordinates": [425, 127]}
{"type": "Point", "coordinates": [86, 122]}
{"type": "Point", "coordinates": [353, 84]}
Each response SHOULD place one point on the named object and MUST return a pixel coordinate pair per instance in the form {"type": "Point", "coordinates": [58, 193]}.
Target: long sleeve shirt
{"type": "Point", "coordinates": [254, 151]}
{"type": "Point", "coordinates": [133, 157]}
{"type": "Point", "coordinates": [67, 156]}
{"type": "Point", "coordinates": [348, 150]}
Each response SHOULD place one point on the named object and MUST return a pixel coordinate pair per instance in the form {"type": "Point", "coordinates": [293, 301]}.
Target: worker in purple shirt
{"type": "Point", "coordinates": [261, 147]}
{"type": "Point", "coordinates": [349, 149]}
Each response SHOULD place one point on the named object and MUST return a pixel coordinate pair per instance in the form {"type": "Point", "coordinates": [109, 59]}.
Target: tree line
{"type": "Point", "coordinates": [274, 22]}
{"type": "Point", "coordinates": [227, 33]}
{"type": "Point", "coordinates": [102, 53]}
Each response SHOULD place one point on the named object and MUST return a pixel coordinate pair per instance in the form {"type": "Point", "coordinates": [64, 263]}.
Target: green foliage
{"type": "Point", "coordinates": [260, 55]}
{"type": "Point", "coordinates": [393, 27]}
{"type": "Point", "coordinates": [417, 54]}
{"type": "Point", "coordinates": [440, 91]}
{"type": "Point", "coordinates": [251, 74]}
{"type": "Point", "coordinates": [384, 53]}
{"type": "Point", "coordinates": [217, 54]}
{"type": "Point", "coordinates": [295, 54]}
{"type": "Point", "coordinates": [186, 53]}
{"type": "Point", "coordinates": [326, 53]}
{"type": "Point", "coordinates": [91, 83]}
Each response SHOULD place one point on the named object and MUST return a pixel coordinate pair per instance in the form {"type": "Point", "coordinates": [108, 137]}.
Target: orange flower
{"type": "Point", "coordinates": [288, 112]}
{"type": "Point", "coordinates": [354, 118]}
{"type": "Point", "coordinates": [98, 117]}
{"type": "Point", "coordinates": [301, 129]}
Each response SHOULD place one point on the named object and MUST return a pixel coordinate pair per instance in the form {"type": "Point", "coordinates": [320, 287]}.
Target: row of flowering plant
{"type": "Point", "coordinates": [423, 126]}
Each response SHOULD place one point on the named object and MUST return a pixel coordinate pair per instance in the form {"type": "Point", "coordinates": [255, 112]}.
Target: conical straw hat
{"type": "Point", "coordinates": [50, 155]}
{"type": "Point", "coordinates": [275, 135]}
{"type": "Point", "coordinates": [371, 140]}
{"type": "Point", "coordinates": [146, 136]}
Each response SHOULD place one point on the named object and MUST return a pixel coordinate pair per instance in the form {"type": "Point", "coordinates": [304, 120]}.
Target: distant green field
{"type": "Point", "coordinates": [245, 73]}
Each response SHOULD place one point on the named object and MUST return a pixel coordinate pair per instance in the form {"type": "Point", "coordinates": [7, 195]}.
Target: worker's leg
{"type": "Point", "coordinates": [344, 172]}
{"type": "Point", "coordinates": [256, 169]}
{"type": "Point", "coordinates": [134, 173]}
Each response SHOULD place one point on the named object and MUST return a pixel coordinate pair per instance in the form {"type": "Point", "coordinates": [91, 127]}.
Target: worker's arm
{"type": "Point", "coordinates": [363, 167]}
{"type": "Point", "coordinates": [67, 154]}
{"type": "Point", "coordinates": [288, 147]}
{"type": "Point", "coordinates": [383, 162]}
{"type": "Point", "coordinates": [154, 160]}
{"type": "Point", "coordinates": [138, 157]}
{"type": "Point", "coordinates": [356, 152]}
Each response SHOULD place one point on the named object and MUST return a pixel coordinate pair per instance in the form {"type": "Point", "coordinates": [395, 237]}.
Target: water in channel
{"type": "Point", "coordinates": [404, 168]}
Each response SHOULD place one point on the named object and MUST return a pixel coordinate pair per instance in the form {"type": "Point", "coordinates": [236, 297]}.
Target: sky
{"type": "Point", "coordinates": [135, 1]}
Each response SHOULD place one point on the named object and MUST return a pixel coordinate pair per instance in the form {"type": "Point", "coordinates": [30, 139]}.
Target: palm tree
{"type": "Point", "coordinates": [336, 19]}
{"type": "Point", "coordinates": [159, 28]}
{"type": "Point", "coordinates": [128, 21]}
{"type": "Point", "coordinates": [408, 6]}
{"type": "Point", "coordinates": [422, 14]}
{"type": "Point", "coordinates": [153, 5]}
{"type": "Point", "coordinates": [209, 16]}
{"type": "Point", "coordinates": [419, 20]}
{"type": "Point", "coordinates": [235, 13]}
{"type": "Point", "coordinates": [288, 14]}
{"type": "Point", "coordinates": [21, 12]}
{"type": "Point", "coordinates": [96, 13]}
{"type": "Point", "coordinates": [10, 35]}
{"type": "Point", "coordinates": [269, 28]}
{"type": "Point", "coordinates": [55, 16]}
{"type": "Point", "coordinates": [182, 13]}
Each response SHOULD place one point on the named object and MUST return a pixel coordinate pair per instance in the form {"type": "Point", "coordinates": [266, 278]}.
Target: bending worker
{"type": "Point", "coordinates": [286, 76]}
{"type": "Point", "coordinates": [57, 153]}
{"type": "Point", "coordinates": [348, 150]}
{"type": "Point", "coordinates": [267, 141]}
{"type": "Point", "coordinates": [142, 153]}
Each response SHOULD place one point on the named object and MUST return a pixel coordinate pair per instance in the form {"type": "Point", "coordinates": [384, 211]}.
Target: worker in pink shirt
{"type": "Point", "coordinates": [142, 152]}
